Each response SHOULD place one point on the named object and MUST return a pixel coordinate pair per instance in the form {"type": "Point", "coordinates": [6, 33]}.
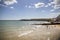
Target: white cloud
{"type": "Point", "coordinates": [46, 5]}
{"type": "Point", "coordinates": [49, 4]}
{"type": "Point", "coordinates": [52, 15]}
{"type": "Point", "coordinates": [0, 0]}
{"type": "Point", "coordinates": [57, 4]}
{"type": "Point", "coordinates": [9, 2]}
{"type": "Point", "coordinates": [3, 5]}
{"type": "Point", "coordinates": [52, 10]}
{"type": "Point", "coordinates": [6, 6]}
{"type": "Point", "coordinates": [38, 5]}
{"type": "Point", "coordinates": [56, 7]}
{"type": "Point", "coordinates": [12, 7]}
{"type": "Point", "coordinates": [29, 6]}
{"type": "Point", "coordinates": [26, 6]}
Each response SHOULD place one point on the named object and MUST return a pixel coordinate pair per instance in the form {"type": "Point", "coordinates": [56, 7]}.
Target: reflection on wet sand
{"type": "Point", "coordinates": [33, 33]}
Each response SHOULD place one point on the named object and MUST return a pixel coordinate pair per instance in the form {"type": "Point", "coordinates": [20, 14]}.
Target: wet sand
{"type": "Point", "coordinates": [34, 33]}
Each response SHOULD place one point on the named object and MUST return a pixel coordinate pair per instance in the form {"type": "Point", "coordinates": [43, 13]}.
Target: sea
{"type": "Point", "coordinates": [10, 29]}
{"type": "Point", "coordinates": [24, 30]}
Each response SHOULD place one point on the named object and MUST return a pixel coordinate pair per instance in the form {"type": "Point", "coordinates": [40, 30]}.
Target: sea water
{"type": "Point", "coordinates": [12, 28]}
{"type": "Point", "coordinates": [24, 30]}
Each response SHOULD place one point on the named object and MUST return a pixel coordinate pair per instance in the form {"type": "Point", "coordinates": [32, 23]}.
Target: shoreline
{"type": "Point", "coordinates": [36, 33]}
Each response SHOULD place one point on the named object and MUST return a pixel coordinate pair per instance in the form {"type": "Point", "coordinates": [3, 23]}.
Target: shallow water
{"type": "Point", "coordinates": [11, 28]}
{"type": "Point", "coordinates": [23, 30]}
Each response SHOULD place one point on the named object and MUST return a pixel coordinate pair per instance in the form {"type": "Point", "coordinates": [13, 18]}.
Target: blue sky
{"type": "Point", "coordinates": [26, 9]}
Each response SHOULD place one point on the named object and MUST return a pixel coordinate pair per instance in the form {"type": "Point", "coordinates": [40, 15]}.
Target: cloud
{"type": "Point", "coordinates": [6, 6]}
{"type": "Point", "coordinates": [49, 4]}
{"type": "Point", "coordinates": [28, 6]}
{"type": "Point", "coordinates": [57, 4]}
{"type": "Point", "coordinates": [3, 5]}
{"type": "Point", "coordinates": [9, 2]}
{"type": "Point", "coordinates": [38, 5]}
{"type": "Point", "coordinates": [0, 0]}
{"type": "Point", "coordinates": [12, 7]}
{"type": "Point", "coordinates": [52, 10]}
{"type": "Point", "coordinates": [53, 15]}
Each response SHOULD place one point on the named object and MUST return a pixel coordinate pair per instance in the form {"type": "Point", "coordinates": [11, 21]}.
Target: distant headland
{"type": "Point", "coordinates": [52, 20]}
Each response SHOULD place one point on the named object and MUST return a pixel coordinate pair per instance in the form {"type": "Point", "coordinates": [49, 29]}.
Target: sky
{"type": "Point", "coordinates": [27, 9]}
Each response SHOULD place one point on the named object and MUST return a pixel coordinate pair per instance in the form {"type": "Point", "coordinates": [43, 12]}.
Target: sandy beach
{"type": "Point", "coordinates": [35, 33]}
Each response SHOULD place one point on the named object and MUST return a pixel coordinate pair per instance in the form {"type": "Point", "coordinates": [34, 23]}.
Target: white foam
{"type": "Point", "coordinates": [38, 26]}
{"type": "Point", "coordinates": [26, 33]}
